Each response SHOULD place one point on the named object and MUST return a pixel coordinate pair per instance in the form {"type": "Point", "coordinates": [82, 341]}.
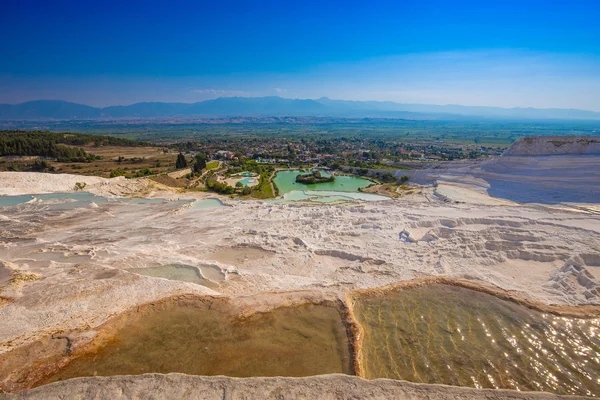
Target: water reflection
{"type": "Point", "coordinates": [456, 336]}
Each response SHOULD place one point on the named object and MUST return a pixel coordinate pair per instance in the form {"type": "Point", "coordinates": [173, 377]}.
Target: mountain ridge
{"type": "Point", "coordinates": [278, 106]}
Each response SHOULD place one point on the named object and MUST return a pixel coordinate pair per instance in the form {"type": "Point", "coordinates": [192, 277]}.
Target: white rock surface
{"type": "Point", "coordinates": [16, 183]}
{"type": "Point", "coordinates": [82, 255]}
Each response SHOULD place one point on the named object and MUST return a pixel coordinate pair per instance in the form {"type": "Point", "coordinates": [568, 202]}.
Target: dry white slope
{"type": "Point", "coordinates": [554, 145]}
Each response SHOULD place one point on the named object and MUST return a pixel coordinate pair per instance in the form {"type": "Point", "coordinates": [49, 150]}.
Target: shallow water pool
{"type": "Point", "coordinates": [204, 337]}
{"type": "Point", "coordinates": [52, 198]}
{"type": "Point", "coordinates": [208, 275]}
{"type": "Point", "coordinates": [72, 200]}
{"type": "Point", "coordinates": [456, 336]}
{"type": "Point", "coordinates": [247, 181]}
{"type": "Point", "coordinates": [206, 204]}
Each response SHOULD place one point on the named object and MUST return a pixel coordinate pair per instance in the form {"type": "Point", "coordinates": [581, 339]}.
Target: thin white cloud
{"type": "Point", "coordinates": [280, 90]}
{"type": "Point", "coordinates": [220, 92]}
{"type": "Point", "coordinates": [504, 78]}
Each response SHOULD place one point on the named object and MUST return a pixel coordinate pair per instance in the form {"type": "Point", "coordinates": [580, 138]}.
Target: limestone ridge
{"type": "Point", "coordinates": [327, 387]}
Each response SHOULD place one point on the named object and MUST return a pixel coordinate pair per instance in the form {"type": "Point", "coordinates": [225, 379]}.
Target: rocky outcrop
{"type": "Point", "coordinates": [554, 145]}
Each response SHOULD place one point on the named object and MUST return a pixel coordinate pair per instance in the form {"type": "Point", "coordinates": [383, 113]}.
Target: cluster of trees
{"type": "Point", "coordinates": [36, 166]}
{"type": "Point", "coordinates": [117, 172]}
{"type": "Point", "coordinates": [59, 146]}
{"type": "Point", "coordinates": [388, 177]}
{"type": "Point", "coordinates": [181, 162]}
{"type": "Point", "coordinates": [245, 190]}
{"type": "Point", "coordinates": [132, 160]}
{"type": "Point", "coordinates": [73, 139]}
{"type": "Point", "coordinates": [186, 147]}
{"type": "Point", "coordinates": [314, 177]}
{"type": "Point", "coordinates": [220, 187]}
{"type": "Point", "coordinates": [250, 166]}
{"type": "Point", "coordinates": [359, 164]}
{"type": "Point", "coordinates": [42, 146]}
{"type": "Point", "coordinates": [142, 172]}
{"type": "Point", "coordinates": [199, 163]}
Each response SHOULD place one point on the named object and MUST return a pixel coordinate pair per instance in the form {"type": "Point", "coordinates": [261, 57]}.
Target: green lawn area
{"type": "Point", "coordinates": [212, 165]}
{"type": "Point", "coordinates": [263, 190]}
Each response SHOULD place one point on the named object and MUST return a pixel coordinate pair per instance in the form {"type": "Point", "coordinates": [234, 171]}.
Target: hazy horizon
{"type": "Point", "coordinates": [528, 54]}
{"type": "Point", "coordinates": [296, 98]}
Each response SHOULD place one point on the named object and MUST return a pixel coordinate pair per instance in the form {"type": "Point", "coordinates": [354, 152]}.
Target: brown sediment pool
{"type": "Point", "coordinates": [452, 335]}
{"type": "Point", "coordinates": [207, 337]}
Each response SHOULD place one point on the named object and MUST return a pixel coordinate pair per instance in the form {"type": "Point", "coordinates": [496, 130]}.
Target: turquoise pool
{"type": "Point", "coordinates": [246, 181]}
{"type": "Point", "coordinates": [206, 204]}
{"type": "Point", "coordinates": [286, 182]}
{"type": "Point", "coordinates": [70, 200]}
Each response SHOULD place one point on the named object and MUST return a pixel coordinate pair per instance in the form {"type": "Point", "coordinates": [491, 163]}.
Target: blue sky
{"type": "Point", "coordinates": [498, 53]}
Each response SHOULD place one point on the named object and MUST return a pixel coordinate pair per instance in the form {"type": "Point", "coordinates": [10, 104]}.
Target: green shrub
{"type": "Point", "coordinates": [117, 172]}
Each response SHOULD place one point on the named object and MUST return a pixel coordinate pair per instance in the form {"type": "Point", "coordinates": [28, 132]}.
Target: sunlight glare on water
{"type": "Point", "coordinates": [456, 336]}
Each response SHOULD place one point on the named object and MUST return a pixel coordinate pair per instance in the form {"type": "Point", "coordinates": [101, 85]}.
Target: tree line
{"type": "Point", "coordinates": [59, 146]}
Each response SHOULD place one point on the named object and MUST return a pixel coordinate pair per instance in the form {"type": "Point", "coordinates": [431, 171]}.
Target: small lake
{"type": "Point", "coordinates": [286, 182]}
{"type": "Point", "coordinates": [344, 188]}
{"type": "Point", "coordinates": [455, 336]}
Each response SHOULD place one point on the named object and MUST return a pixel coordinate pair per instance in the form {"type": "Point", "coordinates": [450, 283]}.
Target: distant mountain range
{"type": "Point", "coordinates": [276, 107]}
